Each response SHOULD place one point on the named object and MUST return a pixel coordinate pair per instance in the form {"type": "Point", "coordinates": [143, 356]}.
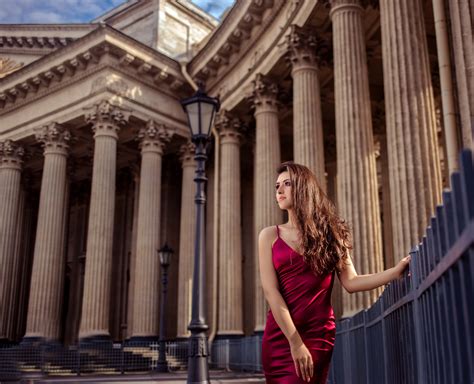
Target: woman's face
{"type": "Point", "coordinates": [283, 190]}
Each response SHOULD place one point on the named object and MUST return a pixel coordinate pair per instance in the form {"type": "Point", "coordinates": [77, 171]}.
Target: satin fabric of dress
{"type": "Point", "coordinates": [308, 298]}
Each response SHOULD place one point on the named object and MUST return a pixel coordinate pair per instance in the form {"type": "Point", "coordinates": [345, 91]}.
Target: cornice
{"type": "Point", "coordinates": [104, 44]}
{"type": "Point", "coordinates": [46, 27]}
{"type": "Point", "coordinates": [33, 42]}
{"type": "Point", "coordinates": [87, 42]}
{"type": "Point", "coordinates": [260, 53]}
{"type": "Point", "coordinates": [228, 37]}
{"type": "Point", "coordinates": [214, 71]}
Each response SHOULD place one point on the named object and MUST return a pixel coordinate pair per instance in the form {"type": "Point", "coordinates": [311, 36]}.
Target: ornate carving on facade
{"type": "Point", "coordinates": [241, 33]}
{"type": "Point", "coordinates": [11, 153]}
{"type": "Point", "coordinates": [154, 135]}
{"type": "Point", "coordinates": [187, 151]}
{"type": "Point", "coordinates": [105, 116]}
{"type": "Point", "coordinates": [110, 83]}
{"type": "Point", "coordinates": [265, 92]}
{"type": "Point", "coordinates": [304, 47]}
{"type": "Point", "coordinates": [42, 73]}
{"type": "Point", "coordinates": [127, 59]}
{"type": "Point", "coordinates": [53, 136]}
{"type": "Point", "coordinates": [34, 41]}
{"type": "Point", "coordinates": [8, 66]}
{"type": "Point", "coordinates": [228, 126]}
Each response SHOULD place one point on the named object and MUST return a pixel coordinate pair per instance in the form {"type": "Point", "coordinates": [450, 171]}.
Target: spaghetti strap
{"type": "Point", "coordinates": [278, 231]}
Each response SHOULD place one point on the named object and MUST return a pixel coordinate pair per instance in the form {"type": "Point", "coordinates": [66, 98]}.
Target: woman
{"type": "Point", "coordinates": [298, 261]}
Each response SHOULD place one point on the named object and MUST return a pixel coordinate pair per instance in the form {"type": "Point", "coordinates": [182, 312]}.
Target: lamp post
{"type": "Point", "coordinates": [165, 254]}
{"type": "Point", "coordinates": [200, 110]}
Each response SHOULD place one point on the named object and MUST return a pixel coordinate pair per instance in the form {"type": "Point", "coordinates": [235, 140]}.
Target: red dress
{"type": "Point", "coordinates": [308, 298]}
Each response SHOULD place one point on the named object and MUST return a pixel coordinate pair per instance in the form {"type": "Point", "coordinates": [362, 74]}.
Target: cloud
{"type": "Point", "coordinates": [54, 11]}
{"type": "Point", "coordinates": [38, 17]}
{"type": "Point", "coordinates": [214, 7]}
{"type": "Point", "coordinates": [78, 11]}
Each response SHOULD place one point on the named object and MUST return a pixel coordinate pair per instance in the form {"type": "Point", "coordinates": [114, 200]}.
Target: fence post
{"type": "Point", "coordinates": [420, 356]}
{"type": "Point", "coordinates": [384, 337]}
{"type": "Point", "coordinates": [366, 348]}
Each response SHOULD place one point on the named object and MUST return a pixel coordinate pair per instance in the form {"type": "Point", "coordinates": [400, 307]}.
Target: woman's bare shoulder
{"type": "Point", "coordinates": [268, 234]}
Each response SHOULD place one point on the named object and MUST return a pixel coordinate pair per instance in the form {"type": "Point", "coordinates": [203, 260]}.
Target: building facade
{"type": "Point", "coordinates": [96, 166]}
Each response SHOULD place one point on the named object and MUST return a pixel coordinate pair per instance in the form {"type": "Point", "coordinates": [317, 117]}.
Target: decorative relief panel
{"type": "Point", "coordinates": [8, 66]}
{"type": "Point", "coordinates": [111, 83]}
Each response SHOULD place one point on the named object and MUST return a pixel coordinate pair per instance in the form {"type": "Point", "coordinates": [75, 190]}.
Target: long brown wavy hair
{"type": "Point", "coordinates": [326, 238]}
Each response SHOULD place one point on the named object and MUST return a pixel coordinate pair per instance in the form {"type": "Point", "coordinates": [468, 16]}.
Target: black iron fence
{"type": "Point", "coordinates": [35, 359]}
{"type": "Point", "coordinates": [421, 329]}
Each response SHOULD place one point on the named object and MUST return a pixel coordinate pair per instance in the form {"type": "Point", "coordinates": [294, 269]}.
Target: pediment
{"type": "Point", "coordinates": [104, 47]}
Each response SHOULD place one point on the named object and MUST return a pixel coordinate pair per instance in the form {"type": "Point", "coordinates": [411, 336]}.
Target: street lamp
{"type": "Point", "coordinates": [200, 109]}
{"type": "Point", "coordinates": [165, 254]}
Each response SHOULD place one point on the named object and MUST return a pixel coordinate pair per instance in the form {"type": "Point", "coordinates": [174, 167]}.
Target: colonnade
{"type": "Point", "coordinates": [412, 157]}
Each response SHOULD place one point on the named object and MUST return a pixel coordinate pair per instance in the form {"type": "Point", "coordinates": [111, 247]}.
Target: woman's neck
{"type": "Point", "coordinates": [291, 219]}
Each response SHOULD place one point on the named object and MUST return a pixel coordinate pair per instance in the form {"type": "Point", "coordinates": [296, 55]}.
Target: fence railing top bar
{"type": "Point", "coordinates": [454, 253]}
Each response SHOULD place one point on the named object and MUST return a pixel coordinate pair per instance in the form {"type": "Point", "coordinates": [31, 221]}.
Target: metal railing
{"type": "Point", "coordinates": [421, 328]}
{"type": "Point", "coordinates": [242, 354]}
{"type": "Point", "coordinates": [94, 358]}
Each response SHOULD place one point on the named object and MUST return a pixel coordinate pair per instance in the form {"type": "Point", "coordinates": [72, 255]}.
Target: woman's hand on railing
{"type": "Point", "coordinates": [401, 266]}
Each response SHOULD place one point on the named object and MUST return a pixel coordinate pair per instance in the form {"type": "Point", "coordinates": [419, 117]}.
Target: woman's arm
{"type": "Point", "coordinates": [300, 354]}
{"type": "Point", "coordinates": [352, 282]}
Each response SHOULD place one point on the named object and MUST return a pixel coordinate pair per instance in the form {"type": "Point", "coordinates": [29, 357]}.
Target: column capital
{"type": "Point", "coordinates": [11, 154]}
{"type": "Point", "coordinates": [359, 5]}
{"type": "Point", "coordinates": [265, 94]}
{"type": "Point", "coordinates": [305, 49]}
{"type": "Point", "coordinates": [154, 136]}
{"type": "Point", "coordinates": [106, 118]}
{"type": "Point", "coordinates": [186, 153]}
{"type": "Point", "coordinates": [229, 127]}
{"type": "Point", "coordinates": [54, 138]}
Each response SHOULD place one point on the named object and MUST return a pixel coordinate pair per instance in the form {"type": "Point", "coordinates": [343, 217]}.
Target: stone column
{"type": "Point", "coordinates": [11, 156]}
{"type": "Point", "coordinates": [463, 51]}
{"type": "Point", "coordinates": [307, 118]}
{"type": "Point", "coordinates": [47, 276]}
{"type": "Point", "coordinates": [230, 303]}
{"type": "Point", "coordinates": [106, 121]}
{"type": "Point", "coordinates": [133, 254]}
{"type": "Point", "coordinates": [357, 174]}
{"type": "Point", "coordinates": [26, 255]}
{"type": "Point", "coordinates": [20, 240]}
{"type": "Point", "coordinates": [187, 232]}
{"type": "Point", "coordinates": [415, 175]}
{"type": "Point", "coordinates": [380, 139]}
{"type": "Point", "coordinates": [147, 268]}
{"type": "Point", "coordinates": [267, 159]}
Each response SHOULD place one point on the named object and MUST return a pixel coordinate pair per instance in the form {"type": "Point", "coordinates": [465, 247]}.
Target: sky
{"type": "Point", "coordinates": [77, 11]}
